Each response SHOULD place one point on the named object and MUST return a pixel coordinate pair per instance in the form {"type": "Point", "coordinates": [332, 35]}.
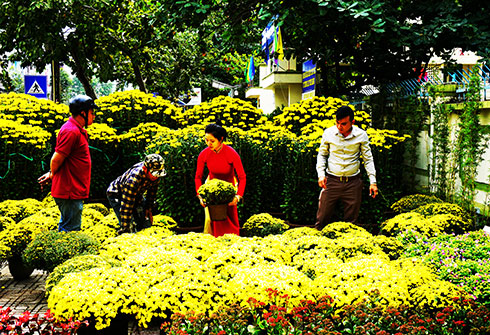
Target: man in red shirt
{"type": "Point", "coordinates": [71, 164]}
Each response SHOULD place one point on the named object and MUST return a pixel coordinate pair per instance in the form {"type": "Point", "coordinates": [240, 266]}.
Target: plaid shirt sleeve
{"type": "Point", "coordinates": [130, 191]}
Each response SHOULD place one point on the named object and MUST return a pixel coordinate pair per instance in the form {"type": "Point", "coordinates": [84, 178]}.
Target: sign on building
{"type": "Point", "coordinates": [309, 75]}
{"type": "Point", "coordinates": [36, 85]}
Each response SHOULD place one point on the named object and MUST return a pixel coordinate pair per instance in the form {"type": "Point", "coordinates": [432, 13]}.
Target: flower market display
{"type": "Point", "coordinates": [427, 272]}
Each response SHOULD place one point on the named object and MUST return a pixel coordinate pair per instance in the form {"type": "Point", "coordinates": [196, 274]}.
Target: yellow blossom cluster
{"type": "Point", "coordinates": [26, 138]}
{"type": "Point", "coordinates": [30, 110]}
{"type": "Point", "coordinates": [101, 132]}
{"type": "Point", "coordinates": [20, 209]}
{"type": "Point", "coordinates": [232, 112]}
{"type": "Point", "coordinates": [413, 201]}
{"type": "Point", "coordinates": [161, 274]}
{"type": "Point", "coordinates": [124, 110]}
{"type": "Point", "coordinates": [318, 109]}
{"type": "Point", "coordinates": [385, 138]}
{"type": "Point", "coordinates": [430, 220]}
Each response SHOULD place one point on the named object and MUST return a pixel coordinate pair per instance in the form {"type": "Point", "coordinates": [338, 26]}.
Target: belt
{"type": "Point", "coordinates": [344, 179]}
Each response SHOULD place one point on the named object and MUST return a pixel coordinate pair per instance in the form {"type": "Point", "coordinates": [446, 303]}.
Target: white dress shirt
{"type": "Point", "coordinates": [340, 156]}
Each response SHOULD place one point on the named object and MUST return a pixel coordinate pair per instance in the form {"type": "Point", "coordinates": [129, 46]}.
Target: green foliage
{"type": "Point", "coordinates": [177, 196]}
{"type": "Point", "coordinates": [262, 225]}
{"type": "Point", "coordinates": [413, 201]}
{"type": "Point", "coordinates": [443, 170]}
{"type": "Point", "coordinates": [76, 264]}
{"type": "Point", "coordinates": [50, 249]}
{"type": "Point", "coordinates": [217, 192]}
{"type": "Point", "coordinates": [105, 155]}
{"type": "Point", "coordinates": [470, 146]}
{"type": "Point", "coordinates": [23, 149]}
{"type": "Point", "coordinates": [463, 260]}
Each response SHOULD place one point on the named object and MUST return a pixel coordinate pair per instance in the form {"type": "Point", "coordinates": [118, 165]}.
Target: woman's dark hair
{"type": "Point", "coordinates": [216, 130]}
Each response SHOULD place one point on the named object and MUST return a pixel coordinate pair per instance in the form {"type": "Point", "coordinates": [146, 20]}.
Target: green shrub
{"type": "Point", "coordinates": [447, 208]}
{"type": "Point", "coordinates": [78, 264]}
{"type": "Point", "coordinates": [133, 144]}
{"type": "Point", "coordinates": [262, 225]}
{"type": "Point", "coordinates": [52, 248]}
{"type": "Point", "coordinates": [23, 149]}
{"type": "Point", "coordinates": [413, 201]}
{"type": "Point", "coordinates": [105, 155]}
{"type": "Point", "coordinates": [177, 195]}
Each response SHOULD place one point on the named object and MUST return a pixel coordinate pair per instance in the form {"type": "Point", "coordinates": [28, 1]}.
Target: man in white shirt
{"type": "Point", "coordinates": [338, 167]}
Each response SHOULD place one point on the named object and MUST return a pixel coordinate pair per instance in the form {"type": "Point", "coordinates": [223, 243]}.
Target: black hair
{"type": "Point", "coordinates": [216, 130]}
{"type": "Point", "coordinates": [343, 112]}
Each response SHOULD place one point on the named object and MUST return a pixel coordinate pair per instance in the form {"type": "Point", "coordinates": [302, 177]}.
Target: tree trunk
{"type": "Point", "coordinates": [323, 80]}
{"type": "Point", "coordinates": [138, 77]}
{"type": "Point", "coordinates": [55, 82]}
{"type": "Point", "coordinates": [80, 72]}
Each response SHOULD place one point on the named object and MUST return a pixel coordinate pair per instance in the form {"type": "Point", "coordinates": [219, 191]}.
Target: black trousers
{"type": "Point", "coordinates": [346, 189]}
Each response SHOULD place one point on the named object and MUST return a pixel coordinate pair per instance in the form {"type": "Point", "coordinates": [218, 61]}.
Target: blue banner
{"type": "Point", "coordinates": [309, 78]}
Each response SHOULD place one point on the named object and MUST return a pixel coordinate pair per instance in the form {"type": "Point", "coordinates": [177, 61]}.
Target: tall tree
{"type": "Point", "coordinates": [363, 41]}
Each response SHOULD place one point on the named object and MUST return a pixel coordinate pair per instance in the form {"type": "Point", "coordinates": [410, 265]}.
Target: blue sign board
{"type": "Point", "coordinates": [36, 85]}
{"type": "Point", "coordinates": [309, 75]}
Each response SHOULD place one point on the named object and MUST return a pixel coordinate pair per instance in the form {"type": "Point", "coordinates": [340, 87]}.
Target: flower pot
{"type": "Point", "coordinates": [18, 269]}
{"type": "Point", "coordinates": [184, 230]}
{"type": "Point", "coordinates": [218, 212]}
{"type": "Point", "coordinates": [119, 326]}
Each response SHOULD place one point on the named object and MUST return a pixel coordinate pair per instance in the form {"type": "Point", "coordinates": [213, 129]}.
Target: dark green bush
{"type": "Point", "coordinates": [50, 249]}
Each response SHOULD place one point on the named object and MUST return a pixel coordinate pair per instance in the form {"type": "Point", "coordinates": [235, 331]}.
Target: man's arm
{"type": "Point", "coordinates": [321, 161]}
{"type": "Point", "coordinates": [56, 161]}
{"type": "Point", "coordinates": [367, 157]}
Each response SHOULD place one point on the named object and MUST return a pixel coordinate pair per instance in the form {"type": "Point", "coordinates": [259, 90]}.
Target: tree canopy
{"type": "Point", "coordinates": [169, 46]}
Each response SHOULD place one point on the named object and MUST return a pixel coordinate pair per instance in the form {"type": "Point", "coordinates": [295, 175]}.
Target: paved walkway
{"type": "Point", "coordinates": [28, 295]}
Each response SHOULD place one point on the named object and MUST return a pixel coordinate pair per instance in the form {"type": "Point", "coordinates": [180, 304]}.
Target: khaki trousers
{"type": "Point", "coordinates": [348, 191]}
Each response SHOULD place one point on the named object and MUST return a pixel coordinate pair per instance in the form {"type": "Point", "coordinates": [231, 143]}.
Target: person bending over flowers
{"type": "Point", "coordinates": [126, 193]}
